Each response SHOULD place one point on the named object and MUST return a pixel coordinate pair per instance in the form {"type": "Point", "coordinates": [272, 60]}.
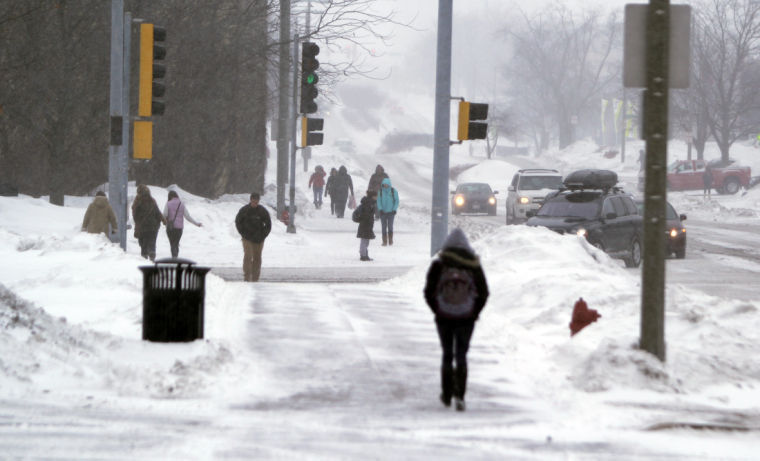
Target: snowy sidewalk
{"type": "Point", "coordinates": [353, 372]}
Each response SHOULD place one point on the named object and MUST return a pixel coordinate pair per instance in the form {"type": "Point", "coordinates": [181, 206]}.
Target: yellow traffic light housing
{"type": "Point", "coordinates": [468, 127]}
{"type": "Point", "coordinates": [151, 72]}
{"type": "Point", "coordinates": [309, 127]}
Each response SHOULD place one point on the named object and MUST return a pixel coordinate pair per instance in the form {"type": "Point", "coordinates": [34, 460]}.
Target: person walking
{"type": "Point", "coordinates": [317, 183]}
{"type": "Point", "coordinates": [387, 204]}
{"type": "Point", "coordinates": [175, 213]}
{"type": "Point", "coordinates": [377, 178]}
{"type": "Point", "coordinates": [99, 215]}
{"type": "Point", "coordinates": [329, 187]}
{"type": "Point", "coordinates": [456, 291]}
{"type": "Point", "coordinates": [341, 187]}
{"type": "Point", "coordinates": [364, 214]}
{"type": "Point", "coordinates": [253, 224]}
{"type": "Point", "coordinates": [148, 219]}
{"type": "Point", "coordinates": [707, 181]}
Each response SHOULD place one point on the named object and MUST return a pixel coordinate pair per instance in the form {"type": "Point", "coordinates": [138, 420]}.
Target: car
{"type": "Point", "coordinates": [527, 191]}
{"type": "Point", "coordinates": [473, 197]}
{"type": "Point", "coordinates": [591, 206]}
{"type": "Point", "coordinates": [728, 177]}
{"type": "Point", "coordinates": [675, 232]}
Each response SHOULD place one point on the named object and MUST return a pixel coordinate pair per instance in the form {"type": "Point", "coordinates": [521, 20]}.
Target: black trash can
{"type": "Point", "coordinates": [173, 297]}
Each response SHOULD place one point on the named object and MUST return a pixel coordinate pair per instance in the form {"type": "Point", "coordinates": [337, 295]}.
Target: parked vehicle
{"type": "Point", "coordinates": [727, 178]}
{"type": "Point", "coordinates": [473, 197]}
{"type": "Point", "coordinates": [675, 231]}
{"type": "Point", "coordinates": [527, 192]}
{"type": "Point", "coordinates": [589, 206]}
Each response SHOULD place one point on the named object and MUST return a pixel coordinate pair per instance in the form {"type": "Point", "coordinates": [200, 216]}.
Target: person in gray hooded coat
{"type": "Point", "coordinates": [456, 291]}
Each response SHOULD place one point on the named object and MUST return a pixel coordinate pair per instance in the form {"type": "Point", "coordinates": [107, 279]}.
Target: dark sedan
{"type": "Point", "coordinates": [473, 197]}
{"type": "Point", "coordinates": [675, 232]}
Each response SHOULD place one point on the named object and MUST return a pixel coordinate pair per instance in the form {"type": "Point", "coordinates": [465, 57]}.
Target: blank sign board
{"type": "Point", "coordinates": [635, 49]}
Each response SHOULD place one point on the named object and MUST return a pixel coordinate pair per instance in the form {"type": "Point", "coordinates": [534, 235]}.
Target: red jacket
{"type": "Point", "coordinates": [317, 178]}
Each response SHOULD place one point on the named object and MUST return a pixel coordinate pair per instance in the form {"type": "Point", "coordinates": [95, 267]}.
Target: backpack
{"type": "Point", "coordinates": [356, 216]}
{"type": "Point", "coordinates": [456, 293]}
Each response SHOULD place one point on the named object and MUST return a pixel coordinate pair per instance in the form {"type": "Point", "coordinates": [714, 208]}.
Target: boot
{"type": "Point", "coordinates": [385, 240]}
{"type": "Point", "coordinates": [447, 384]}
{"type": "Point", "coordinates": [460, 386]}
{"type": "Point", "coordinates": [390, 238]}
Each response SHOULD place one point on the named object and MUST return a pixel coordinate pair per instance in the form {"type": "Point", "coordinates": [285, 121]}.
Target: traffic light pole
{"type": "Point", "coordinates": [283, 111]}
{"type": "Point", "coordinates": [293, 144]}
{"type": "Point", "coordinates": [655, 194]}
{"type": "Point", "coordinates": [118, 164]}
{"type": "Point", "coordinates": [440, 205]}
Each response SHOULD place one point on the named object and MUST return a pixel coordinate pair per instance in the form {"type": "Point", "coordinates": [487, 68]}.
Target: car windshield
{"type": "Point", "coordinates": [540, 182]}
{"type": "Point", "coordinates": [670, 212]}
{"type": "Point", "coordinates": [475, 189]}
{"type": "Point", "coordinates": [570, 209]}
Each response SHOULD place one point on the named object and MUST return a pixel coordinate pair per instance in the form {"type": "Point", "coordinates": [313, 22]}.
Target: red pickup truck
{"type": "Point", "coordinates": [727, 179]}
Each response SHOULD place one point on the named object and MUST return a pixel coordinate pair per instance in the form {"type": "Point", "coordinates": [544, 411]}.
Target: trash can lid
{"type": "Point", "coordinates": [174, 261]}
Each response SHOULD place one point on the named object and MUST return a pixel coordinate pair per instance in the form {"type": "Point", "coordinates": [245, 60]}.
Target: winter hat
{"type": "Point", "coordinates": [457, 239]}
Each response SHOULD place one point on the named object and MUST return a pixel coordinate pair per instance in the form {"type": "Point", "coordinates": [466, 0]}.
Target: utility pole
{"type": "Point", "coordinates": [283, 111]}
{"type": "Point", "coordinates": [118, 163]}
{"type": "Point", "coordinates": [656, 136]}
{"type": "Point", "coordinates": [440, 206]}
{"type": "Point", "coordinates": [293, 144]}
{"type": "Point", "coordinates": [625, 127]}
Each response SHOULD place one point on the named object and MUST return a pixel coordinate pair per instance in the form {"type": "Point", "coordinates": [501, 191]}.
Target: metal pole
{"type": "Point", "coordinates": [625, 127]}
{"type": "Point", "coordinates": [293, 117]}
{"type": "Point", "coordinates": [116, 113]}
{"type": "Point", "coordinates": [282, 112]}
{"type": "Point", "coordinates": [656, 136]}
{"type": "Point", "coordinates": [121, 204]}
{"type": "Point", "coordinates": [440, 206]}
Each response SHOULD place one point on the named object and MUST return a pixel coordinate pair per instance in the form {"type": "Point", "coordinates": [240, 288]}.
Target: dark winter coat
{"type": "Point", "coordinates": [329, 184]}
{"type": "Point", "coordinates": [98, 215]}
{"type": "Point", "coordinates": [707, 178]}
{"type": "Point", "coordinates": [456, 252]}
{"type": "Point", "coordinates": [146, 214]}
{"type": "Point", "coordinates": [377, 178]}
{"type": "Point", "coordinates": [253, 224]}
{"type": "Point", "coordinates": [341, 185]}
{"type": "Point", "coordinates": [367, 218]}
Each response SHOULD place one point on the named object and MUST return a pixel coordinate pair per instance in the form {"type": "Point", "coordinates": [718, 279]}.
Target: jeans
{"type": "Point", "coordinates": [386, 222]}
{"type": "Point", "coordinates": [174, 235]}
{"type": "Point", "coordinates": [317, 196]}
{"type": "Point", "coordinates": [364, 248]}
{"type": "Point", "coordinates": [455, 338]}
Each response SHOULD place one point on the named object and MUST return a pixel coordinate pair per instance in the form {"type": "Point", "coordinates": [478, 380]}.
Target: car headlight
{"type": "Point", "coordinates": [581, 232]}
{"type": "Point", "coordinates": [673, 233]}
{"type": "Point", "coordinates": [459, 200]}
{"type": "Point", "coordinates": [492, 200]}
{"type": "Point", "coordinates": [524, 200]}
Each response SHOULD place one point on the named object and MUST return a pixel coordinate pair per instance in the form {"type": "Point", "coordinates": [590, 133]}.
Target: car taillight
{"type": "Point", "coordinates": [459, 200]}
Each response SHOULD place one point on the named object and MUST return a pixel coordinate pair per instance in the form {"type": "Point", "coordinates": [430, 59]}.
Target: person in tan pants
{"type": "Point", "coordinates": [254, 224]}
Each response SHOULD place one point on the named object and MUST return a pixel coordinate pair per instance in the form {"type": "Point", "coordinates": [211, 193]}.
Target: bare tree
{"type": "Point", "coordinates": [726, 40]}
{"type": "Point", "coordinates": [564, 58]}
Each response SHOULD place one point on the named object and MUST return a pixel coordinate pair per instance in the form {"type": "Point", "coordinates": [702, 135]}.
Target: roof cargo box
{"type": "Point", "coordinates": [591, 179]}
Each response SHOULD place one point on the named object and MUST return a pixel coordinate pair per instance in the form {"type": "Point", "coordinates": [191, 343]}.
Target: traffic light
{"type": "Point", "coordinates": [309, 78]}
{"type": "Point", "coordinates": [467, 128]}
{"type": "Point", "coordinates": [308, 128]}
{"type": "Point", "coordinates": [151, 72]}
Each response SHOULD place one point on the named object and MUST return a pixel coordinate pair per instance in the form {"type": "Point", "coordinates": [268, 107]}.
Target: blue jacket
{"type": "Point", "coordinates": [387, 198]}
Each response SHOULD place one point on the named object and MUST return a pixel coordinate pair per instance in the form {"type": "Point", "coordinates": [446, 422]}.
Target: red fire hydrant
{"type": "Point", "coordinates": [582, 316]}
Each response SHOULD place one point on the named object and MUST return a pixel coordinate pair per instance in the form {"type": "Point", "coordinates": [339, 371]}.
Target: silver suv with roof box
{"type": "Point", "coordinates": [527, 191]}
